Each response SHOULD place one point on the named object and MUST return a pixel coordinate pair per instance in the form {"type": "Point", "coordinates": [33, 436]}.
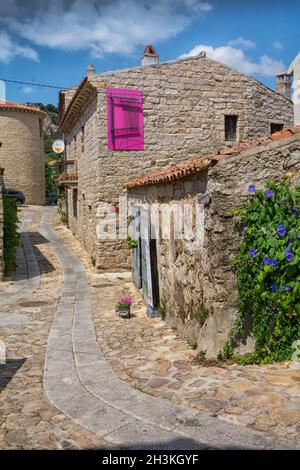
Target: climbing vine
{"type": "Point", "coordinates": [267, 267]}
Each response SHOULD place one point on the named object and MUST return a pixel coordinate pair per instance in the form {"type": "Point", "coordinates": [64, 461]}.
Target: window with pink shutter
{"type": "Point", "coordinates": [125, 119]}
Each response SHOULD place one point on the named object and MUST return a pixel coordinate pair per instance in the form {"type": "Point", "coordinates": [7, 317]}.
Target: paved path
{"type": "Point", "coordinates": [27, 419]}
{"type": "Point", "coordinates": [80, 382]}
{"type": "Point", "coordinates": [28, 272]}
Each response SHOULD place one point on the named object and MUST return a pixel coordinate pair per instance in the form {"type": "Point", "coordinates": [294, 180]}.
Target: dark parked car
{"type": "Point", "coordinates": [18, 195]}
{"type": "Point", "coordinates": [51, 198]}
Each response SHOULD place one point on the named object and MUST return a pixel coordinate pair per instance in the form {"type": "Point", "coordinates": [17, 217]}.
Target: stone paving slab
{"type": "Point", "coordinates": [137, 436]}
{"type": "Point", "coordinates": [110, 407]}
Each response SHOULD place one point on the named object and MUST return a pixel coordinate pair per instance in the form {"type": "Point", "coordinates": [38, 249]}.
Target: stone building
{"type": "Point", "coordinates": [21, 133]}
{"type": "Point", "coordinates": [190, 276]}
{"type": "Point", "coordinates": [127, 123]}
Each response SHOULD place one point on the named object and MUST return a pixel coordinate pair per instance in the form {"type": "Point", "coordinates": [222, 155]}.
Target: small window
{"type": "Point", "coordinates": [275, 127]}
{"type": "Point", "coordinates": [231, 127]}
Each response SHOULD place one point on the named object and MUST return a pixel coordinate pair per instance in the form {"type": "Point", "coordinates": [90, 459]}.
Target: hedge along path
{"type": "Point", "coordinates": [27, 278]}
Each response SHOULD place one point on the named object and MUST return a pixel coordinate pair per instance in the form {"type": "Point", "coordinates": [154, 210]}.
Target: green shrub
{"type": "Point", "coordinates": [201, 315]}
{"type": "Point", "coordinates": [267, 267]}
{"type": "Point", "coordinates": [193, 344]}
{"type": "Point", "coordinates": [161, 309]}
{"type": "Point", "coordinates": [11, 238]}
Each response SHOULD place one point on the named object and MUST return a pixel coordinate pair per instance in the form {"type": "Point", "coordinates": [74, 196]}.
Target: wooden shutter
{"type": "Point", "coordinates": [125, 119]}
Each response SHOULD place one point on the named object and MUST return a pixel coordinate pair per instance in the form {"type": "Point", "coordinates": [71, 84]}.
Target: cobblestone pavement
{"type": "Point", "coordinates": [154, 359]}
{"type": "Point", "coordinates": [94, 408]}
{"type": "Point", "coordinates": [27, 420]}
{"type": "Point", "coordinates": [79, 380]}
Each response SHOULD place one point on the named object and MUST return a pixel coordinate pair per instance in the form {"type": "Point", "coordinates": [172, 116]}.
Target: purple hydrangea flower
{"type": "Point", "coordinates": [281, 230]}
{"type": "Point", "coordinates": [251, 188]}
{"type": "Point", "coordinates": [287, 288]}
{"type": "Point", "coordinates": [274, 288]}
{"type": "Point", "coordinates": [269, 193]}
{"type": "Point", "coordinates": [289, 242]}
{"type": "Point", "coordinates": [295, 210]}
{"type": "Point", "coordinates": [252, 252]}
{"type": "Point", "coordinates": [289, 255]}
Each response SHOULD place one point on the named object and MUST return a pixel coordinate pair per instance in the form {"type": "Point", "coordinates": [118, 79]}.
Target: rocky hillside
{"type": "Point", "coordinates": [50, 126]}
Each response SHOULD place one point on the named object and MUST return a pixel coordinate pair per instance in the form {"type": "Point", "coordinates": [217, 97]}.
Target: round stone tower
{"type": "Point", "coordinates": [21, 153]}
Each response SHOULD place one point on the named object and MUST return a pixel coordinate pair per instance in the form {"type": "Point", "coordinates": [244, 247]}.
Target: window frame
{"type": "Point", "coordinates": [226, 134]}
{"type": "Point", "coordinates": [279, 125]}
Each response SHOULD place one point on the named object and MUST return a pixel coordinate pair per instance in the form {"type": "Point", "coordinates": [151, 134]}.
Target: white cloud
{"type": "Point", "coordinates": [27, 90]}
{"type": "Point", "coordinates": [236, 59]}
{"type": "Point", "coordinates": [113, 26]}
{"type": "Point", "coordinates": [242, 42]}
{"type": "Point", "coordinates": [10, 49]}
{"type": "Point", "coordinates": [278, 45]}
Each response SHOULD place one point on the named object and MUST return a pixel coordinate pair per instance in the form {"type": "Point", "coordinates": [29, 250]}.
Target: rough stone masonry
{"type": "Point", "coordinates": [197, 287]}
{"type": "Point", "coordinates": [184, 104]}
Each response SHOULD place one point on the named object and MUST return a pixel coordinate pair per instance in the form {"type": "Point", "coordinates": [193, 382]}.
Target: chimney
{"type": "Point", "coordinates": [90, 71]}
{"type": "Point", "coordinates": [150, 56]}
{"type": "Point", "coordinates": [284, 84]}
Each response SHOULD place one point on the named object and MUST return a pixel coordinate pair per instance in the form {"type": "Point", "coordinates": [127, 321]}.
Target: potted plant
{"type": "Point", "coordinates": [123, 306]}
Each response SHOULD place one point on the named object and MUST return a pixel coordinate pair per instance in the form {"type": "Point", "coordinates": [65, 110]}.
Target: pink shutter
{"type": "Point", "coordinates": [125, 119]}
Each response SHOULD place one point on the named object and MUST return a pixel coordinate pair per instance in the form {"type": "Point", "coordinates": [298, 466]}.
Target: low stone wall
{"type": "Point", "coordinates": [197, 287]}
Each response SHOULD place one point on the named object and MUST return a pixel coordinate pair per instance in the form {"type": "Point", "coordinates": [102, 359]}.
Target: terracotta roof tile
{"type": "Point", "coordinates": [202, 163]}
{"type": "Point", "coordinates": [4, 104]}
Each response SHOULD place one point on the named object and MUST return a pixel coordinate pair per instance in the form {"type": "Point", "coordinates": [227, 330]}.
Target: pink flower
{"type": "Point", "coordinates": [126, 300]}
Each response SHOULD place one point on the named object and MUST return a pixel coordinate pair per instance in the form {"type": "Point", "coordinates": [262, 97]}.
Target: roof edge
{"type": "Point", "coordinates": [201, 164]}
{"type": "Point", "coordinates": [10, 105]}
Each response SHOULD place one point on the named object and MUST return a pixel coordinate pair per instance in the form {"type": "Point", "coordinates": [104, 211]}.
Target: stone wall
{"type": "Point", "coordinates": [184, 103]}
{"type": "Point", "coordinates": [197, 287]}
{"type": "Point", "coordinates": [22, 154]}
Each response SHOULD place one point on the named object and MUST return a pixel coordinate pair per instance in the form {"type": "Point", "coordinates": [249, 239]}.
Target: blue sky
{"type": "Point", "coordinates": [53, 42]}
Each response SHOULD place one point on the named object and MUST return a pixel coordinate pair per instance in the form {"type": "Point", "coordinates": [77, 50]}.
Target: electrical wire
{"type": "Point", "coordinates": [32, 84]}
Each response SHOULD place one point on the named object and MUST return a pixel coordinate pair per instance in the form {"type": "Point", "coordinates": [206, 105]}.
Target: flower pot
{"type": "Point", "coordinates": [124, 312]}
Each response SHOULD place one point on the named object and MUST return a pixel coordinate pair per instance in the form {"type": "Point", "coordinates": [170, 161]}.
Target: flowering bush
{"type": "Point", "coordinates": [124, 302]}
{"type": "Point", "coordinates": [268, 272]}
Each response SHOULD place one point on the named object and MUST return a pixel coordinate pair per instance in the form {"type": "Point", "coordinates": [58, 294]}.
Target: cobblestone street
{"type": "Point", "coordinates": [138, 385]}
{"type": "Point", "coordinates": [27, 420]}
